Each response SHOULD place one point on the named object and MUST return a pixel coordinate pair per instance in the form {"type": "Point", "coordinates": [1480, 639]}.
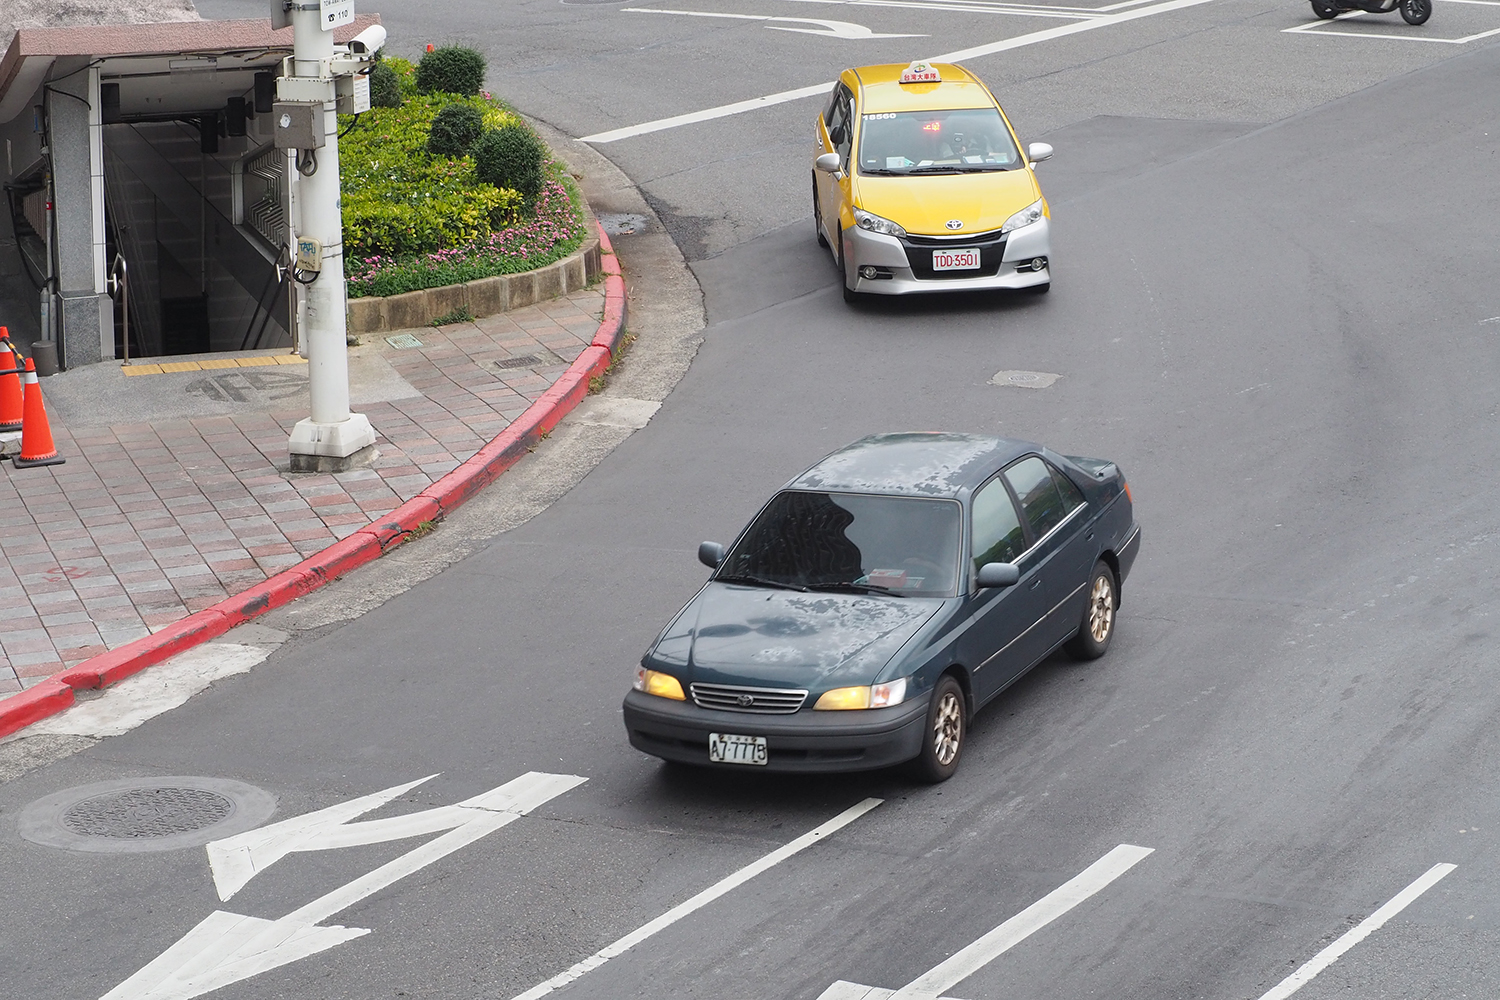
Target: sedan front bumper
{"type": "Point", "coordinates": [892, 260]}
{"type": "Point", "coordinates": [802, 741]}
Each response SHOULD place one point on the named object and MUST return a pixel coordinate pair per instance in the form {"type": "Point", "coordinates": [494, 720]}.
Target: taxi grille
{"type": "Point", "coordinates": [991, 247]}
{"type": "Point", "coordinates": [733, 698]}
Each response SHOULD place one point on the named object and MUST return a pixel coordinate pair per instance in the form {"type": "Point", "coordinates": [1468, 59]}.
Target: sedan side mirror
{"type": "Point", "coordinates": [711, 554]}
{"type": "Point", "coordinates": [998, 575]}
{"type": "Point", "coordinates": [829, 163]}
{"type": "Point", "coordinates": [1038, 151]}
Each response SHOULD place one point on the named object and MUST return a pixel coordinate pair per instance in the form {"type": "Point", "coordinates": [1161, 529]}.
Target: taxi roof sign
{"type": "Point", "coordinates": [921, 72]}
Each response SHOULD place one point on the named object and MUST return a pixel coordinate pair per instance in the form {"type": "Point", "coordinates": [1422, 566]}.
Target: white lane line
{"type": "Point", "coordinates": [962, 55]}
{"type": "Point", "coordinates": [1018, 928]}
{"type": "Point", "coordinates": [828, 29]}
{"type": "Point", "coordinates": [972, 7]}
{"type": "Point", "coordinates": [1323, 959]}
{"type": "Point", "coordinates": [699, 901]}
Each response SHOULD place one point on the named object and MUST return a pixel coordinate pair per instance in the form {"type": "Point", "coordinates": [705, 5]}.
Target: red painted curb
{"type": "Point", "coordinates": [365, 545]}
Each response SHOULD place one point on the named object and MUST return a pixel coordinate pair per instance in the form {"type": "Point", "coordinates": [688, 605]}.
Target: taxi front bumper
{"type": "Point", "coordinates": [892, 259]}
{"type": "Point", "coordinates": [802, 741]}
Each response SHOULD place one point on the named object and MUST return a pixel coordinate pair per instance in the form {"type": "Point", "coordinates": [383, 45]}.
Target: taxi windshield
{"type": "Point", "coordinates": [936, 142]}
{"type": "Point", "coordinates": [850, 542]}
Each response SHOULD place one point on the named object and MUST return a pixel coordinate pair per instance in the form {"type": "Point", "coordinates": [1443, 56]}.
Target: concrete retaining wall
{"type": "Point", "coordinates": [485, 297]}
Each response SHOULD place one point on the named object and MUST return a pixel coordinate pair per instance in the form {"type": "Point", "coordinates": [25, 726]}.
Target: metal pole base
{"type": "Point", "coordinates": [316, 447]}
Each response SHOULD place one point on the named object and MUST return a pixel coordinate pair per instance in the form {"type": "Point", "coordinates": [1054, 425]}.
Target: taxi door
{"type": "Point", "coordinates": [835, 135]}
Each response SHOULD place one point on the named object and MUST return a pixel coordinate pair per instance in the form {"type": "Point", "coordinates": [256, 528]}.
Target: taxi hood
{"type": "Point", "coordinates": [924, 204]}
{"type": "Point", "coordinates": [736, 634]}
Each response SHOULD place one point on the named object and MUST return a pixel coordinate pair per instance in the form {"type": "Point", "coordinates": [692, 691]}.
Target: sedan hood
{"type": "Point", "coordinates": [733, 634]}
{"type": "Point", "coordinates": [924, 205]}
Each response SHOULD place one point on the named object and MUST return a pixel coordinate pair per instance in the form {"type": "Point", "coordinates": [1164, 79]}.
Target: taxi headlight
{"type": "Point", "coordinates": [1026, 216]}
{"type": "Point", "coordinates": [878, 696]}
{"type": "Point", "coordinates": [875, 224]}
{"type": "Point", "coordinates": [657, 683]}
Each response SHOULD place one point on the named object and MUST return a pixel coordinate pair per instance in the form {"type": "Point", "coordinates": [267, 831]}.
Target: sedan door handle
{"type": "Point", "coordinates": [1036, 583]}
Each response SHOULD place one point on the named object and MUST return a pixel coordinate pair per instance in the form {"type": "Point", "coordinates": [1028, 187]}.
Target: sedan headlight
{"type": "Point", "coordinates": [657, 683]}
{"type": "Point", "coordinates": [877, 696]}
{"type": "Point", "coordinates": [1026, 216]}
{"type": "Point", "coordinates": [875, 224]}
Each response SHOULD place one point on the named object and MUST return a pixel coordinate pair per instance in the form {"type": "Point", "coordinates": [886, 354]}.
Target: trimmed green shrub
{"type": "Point", "coordinates": [454, 130]}
{"type": "Point", "coordinates": [511, 156]}
{"type": "Point", "coordinates": [385, 87]}
{"type": "Point", "coordinates": [452, 69]}
{"type": "Point", "coordinates": [406, 74]}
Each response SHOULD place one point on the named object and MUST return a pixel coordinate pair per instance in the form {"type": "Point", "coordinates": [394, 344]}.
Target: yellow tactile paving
{"type": "Point", "coordinates": [214, 364]}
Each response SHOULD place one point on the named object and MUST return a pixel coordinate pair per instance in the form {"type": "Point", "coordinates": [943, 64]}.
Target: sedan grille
{"type": "Point", "coordinates": [733, 698]}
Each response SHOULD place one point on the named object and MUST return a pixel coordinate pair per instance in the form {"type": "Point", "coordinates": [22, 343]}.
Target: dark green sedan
{"type": "Point", "coordinates": [882, 598]}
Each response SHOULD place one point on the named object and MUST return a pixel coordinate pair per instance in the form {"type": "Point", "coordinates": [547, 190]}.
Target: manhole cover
{"type": "Point", "coordinates": [152, 814]}
{"type": "Point", "coordinates": [622, 223]}
{"type": "Point", "coordinates": [402, 341]}
{"type": "Point", "coordinates": [1024, 380]}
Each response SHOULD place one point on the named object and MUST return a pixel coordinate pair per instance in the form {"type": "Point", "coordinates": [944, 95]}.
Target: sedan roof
{"type": "Point", "coordinates": [883, 92]}
{"type": "Point", "coordinates": [920, 464]}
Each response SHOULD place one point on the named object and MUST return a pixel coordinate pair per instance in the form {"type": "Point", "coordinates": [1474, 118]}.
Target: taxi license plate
{"type": "Point", "coordinates": [727, 748]}
{"type": "Point", "coordinates": [955, 260]}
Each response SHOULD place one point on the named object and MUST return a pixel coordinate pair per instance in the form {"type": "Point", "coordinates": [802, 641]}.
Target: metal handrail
{"type": "Point", "coordinates": [119, 275]}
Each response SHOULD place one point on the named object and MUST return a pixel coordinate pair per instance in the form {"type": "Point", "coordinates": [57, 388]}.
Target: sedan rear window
{"type": "Point", "coordinates": [850, 542]}
{"type": "Point", "coordinates": [936, 142]}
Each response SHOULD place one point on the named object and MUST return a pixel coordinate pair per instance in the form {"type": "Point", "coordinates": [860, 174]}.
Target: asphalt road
{"type": "Point", "coordinates": [1274, 303]}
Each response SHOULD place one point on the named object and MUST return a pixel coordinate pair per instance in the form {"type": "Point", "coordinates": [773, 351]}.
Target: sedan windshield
{"type": "Point", "coordinates": [933, 142]}
{"type": "Point", "coordinates": [850, 542]}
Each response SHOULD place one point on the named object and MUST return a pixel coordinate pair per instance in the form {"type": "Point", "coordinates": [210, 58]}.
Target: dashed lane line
{"type": "Point", "coordinates": [699, 901]}
{"type": "Point", "coordinates": [1323, 959]}
{"type": "Point", "coordinates": [961, 55]}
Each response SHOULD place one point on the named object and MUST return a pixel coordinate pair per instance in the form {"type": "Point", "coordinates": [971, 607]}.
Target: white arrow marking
{"type": "Point", "coordinates": [1018, 928]}
{"type": "Point", "coordinates": [1323, 959]}
{"type": "Point", "coordinates": [227, 947]}
{"type": "Point", "coordinates": [829, 29]}
{"type": "Point", "coordinates": [699, 901]}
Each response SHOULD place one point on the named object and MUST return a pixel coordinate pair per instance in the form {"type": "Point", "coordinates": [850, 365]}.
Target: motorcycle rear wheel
{"type": "Point", "coordinates": [1327, 10]}
{"type": "Point", "coordinates": [1416, 11]}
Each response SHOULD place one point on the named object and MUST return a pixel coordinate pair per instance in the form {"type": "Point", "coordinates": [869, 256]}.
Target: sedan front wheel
{"type": "Point", "coordinates": [943, 740]}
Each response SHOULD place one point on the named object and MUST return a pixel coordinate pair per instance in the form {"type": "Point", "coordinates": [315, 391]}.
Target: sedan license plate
{"type": "Point", "coordinates": [955, 260]}
{"type": "Point", "coordinates": [727, 748]}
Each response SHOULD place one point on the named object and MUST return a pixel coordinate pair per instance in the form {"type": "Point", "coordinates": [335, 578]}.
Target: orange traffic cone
{"type": "Point", "coordinates": [10, 386]}
{"type": "Point", "coordinates": [36, 433]}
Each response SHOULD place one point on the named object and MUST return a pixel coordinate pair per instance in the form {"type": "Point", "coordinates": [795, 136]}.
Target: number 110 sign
{"type": "Point", "coordinates": [335, 13]}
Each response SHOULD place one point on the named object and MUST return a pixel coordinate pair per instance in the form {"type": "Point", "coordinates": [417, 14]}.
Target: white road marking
{"type": "Point", "coordinates": [699, 901]}
{"type": "Point", "coordinates": [974, 7]}
{"type": "Point", "coordinates": [1323, 959]}
{"type": "Point", "coordinates": [135, 700]}
{"type": "Point", "coordinates": [969, 960]}
{"type": "Point", "coordinates": [1310, 26]}
{"type": "Point", "coordinates": [227, 947]}
{"type": "Point", "coordinates": [962, 55]}
{"type": "Point", "coordinates": [828, 29]}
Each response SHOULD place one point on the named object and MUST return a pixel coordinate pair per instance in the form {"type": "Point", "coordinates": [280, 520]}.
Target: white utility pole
{"type": "Point", "coordinates": [331, 438]}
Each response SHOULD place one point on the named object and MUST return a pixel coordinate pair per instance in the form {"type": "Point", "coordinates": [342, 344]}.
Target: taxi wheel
{"type": "Point", "coordinates": [1097, 626]}
{"type": "Point", "coordinates": [850, 295]}
{"type": "Point", "coordinates": [943, 737]}
{"type": "Point", "coordinates": [818, 217]}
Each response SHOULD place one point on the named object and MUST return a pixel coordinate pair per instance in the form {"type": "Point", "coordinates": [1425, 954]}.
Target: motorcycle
{"type": "Point", "coordinates": [1413, 11]}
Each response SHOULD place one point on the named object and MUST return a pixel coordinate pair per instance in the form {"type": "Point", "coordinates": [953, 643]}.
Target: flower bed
{"type": "Point", "coordinates": [414, 220]}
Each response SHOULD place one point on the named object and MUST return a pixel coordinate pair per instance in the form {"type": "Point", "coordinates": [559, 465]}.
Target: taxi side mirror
{"type": "Point", "coordinates": [829, 163]}
{"type": "Point", "coordinates": [1038, 151]}
{"type": "Point", "coordinates": [711, 554]}
{"type": "Point", "coordinates": [998, 575]}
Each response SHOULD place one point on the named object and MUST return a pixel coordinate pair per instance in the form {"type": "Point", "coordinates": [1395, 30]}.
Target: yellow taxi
{"type": "Point", "coordinates": [919, 185]}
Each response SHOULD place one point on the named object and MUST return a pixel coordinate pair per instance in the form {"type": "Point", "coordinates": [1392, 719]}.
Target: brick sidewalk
{"type": "Point", "coordinates": [148, 522]}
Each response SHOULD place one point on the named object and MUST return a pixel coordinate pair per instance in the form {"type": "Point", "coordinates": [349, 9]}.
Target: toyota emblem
{"type": "Point", "coordinates": [745, 700]}
{"type": "Point", "coordinates": [955, 223]}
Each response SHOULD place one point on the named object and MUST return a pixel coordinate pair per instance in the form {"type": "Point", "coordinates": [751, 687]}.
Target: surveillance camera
{"type": "Point", "coordinates": [369, 41]}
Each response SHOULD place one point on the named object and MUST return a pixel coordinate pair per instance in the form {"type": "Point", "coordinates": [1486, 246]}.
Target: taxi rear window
{"type": "Point", "coordinates": [936, 142]}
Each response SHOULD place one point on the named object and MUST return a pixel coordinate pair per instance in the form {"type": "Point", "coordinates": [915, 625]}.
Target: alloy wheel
{"type": "Point", "coordinates": [1101, 608]}
{"type": "Point", "coordinates": [947, 728]}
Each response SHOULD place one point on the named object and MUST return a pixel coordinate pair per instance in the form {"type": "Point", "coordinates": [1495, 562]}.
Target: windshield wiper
{"type": "Point", "coordinates": [760, 582]}
{"type": "Point", "coordinates": [936, 170]}
{"type": "Point", "coordinates": [857, 588]}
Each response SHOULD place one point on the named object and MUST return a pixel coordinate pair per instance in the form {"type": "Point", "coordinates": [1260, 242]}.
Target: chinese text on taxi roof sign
{"type": "Point", "coordinates": [920, 72]}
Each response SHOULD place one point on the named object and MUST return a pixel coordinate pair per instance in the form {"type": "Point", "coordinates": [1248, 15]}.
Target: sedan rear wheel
{"type": "Point", "coordinates": [943, 740]}
{"type": "Point", "coordinates": [1098, 625]}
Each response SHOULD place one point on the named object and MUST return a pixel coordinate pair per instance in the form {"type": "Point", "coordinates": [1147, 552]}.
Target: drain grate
{"type": "Point", "coordinates": [525, 361]}
{"type": "Point", "coordinates": [147, 813]}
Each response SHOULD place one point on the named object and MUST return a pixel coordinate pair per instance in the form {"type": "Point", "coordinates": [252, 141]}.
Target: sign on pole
{"type": "Point", "coordinates": [335, 13]}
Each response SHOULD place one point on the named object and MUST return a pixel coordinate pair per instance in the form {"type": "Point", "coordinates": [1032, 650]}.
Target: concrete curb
{"type": "Point", "coordinates": [56, 693]}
